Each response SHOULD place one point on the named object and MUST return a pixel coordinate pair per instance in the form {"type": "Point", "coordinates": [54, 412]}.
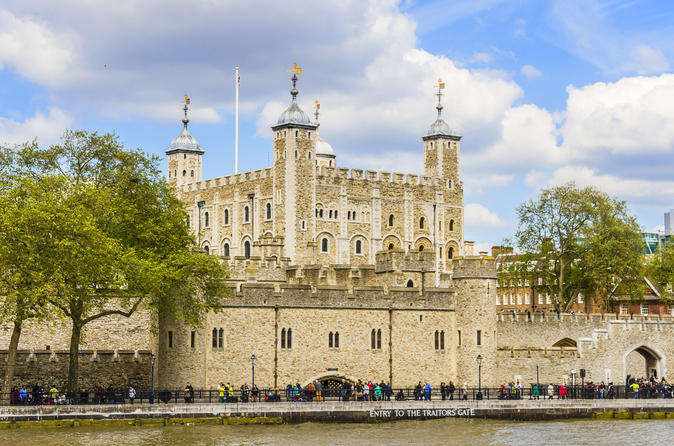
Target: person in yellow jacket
{"type": "Point", "coordinates": [221, 392]}
{"type": "Point", "coordinates": [635, 388]}
{"type": "Point", "coordinates": [230, 393]}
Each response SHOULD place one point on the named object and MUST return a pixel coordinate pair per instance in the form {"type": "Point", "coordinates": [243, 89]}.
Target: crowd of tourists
{"type": "Point", "coordinates": [50, 396]}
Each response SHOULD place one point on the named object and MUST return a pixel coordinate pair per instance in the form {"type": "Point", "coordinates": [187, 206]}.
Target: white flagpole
{"type": "Point", "coordinates": [236, 124]}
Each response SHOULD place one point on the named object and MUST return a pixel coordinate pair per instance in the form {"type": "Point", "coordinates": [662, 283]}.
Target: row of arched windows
{"type": "Point", "coordinates": [333, 340]}
{"type": "Point", "coordinates": [218, 338]}
{"type": "Point", "coordinates": [286, 338]}
{"type": "Point", "coordinates": [328, 213]}
{"type": "Point", "coordinates": [375, 339]}
{"type": "Point", "coordinates": [246, 249]}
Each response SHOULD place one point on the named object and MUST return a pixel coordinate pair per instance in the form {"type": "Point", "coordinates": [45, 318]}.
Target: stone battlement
{"type": "Point", "coordinates": [373, 176]}
{"type": "Point", "coordinates": [301, 295]}
{"type": "Point", "coordinates": [586, 319]}
{"type": "Point", "coordinates": [239, 178]}
{"type": "Point", "coordinates": [539, 352]}
{"type": "Point", "coordinates": [399, 260]}
{"type": "Point", "coordinates": [483, 267]}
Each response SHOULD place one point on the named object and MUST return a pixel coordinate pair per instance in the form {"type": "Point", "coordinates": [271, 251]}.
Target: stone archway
{"type": "Point", "coordinates": [643, 361]}
{"type": "Point", "coordinates": [332, 385]}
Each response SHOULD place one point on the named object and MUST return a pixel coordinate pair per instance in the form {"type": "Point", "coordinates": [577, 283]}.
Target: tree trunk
{"type": "Point", "coordinates": [11, 360]}
{"type": "Point", "coordinates": [73, 367]}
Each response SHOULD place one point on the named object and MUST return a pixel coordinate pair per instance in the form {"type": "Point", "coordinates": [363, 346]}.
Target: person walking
{"type": "Point", "coordinates": [53, 393]}
{"type": "Point", "coordinates": [221, 392]}
{"type": "Point", "coordinates": [427, 391]}
{"type": "Point", "coordinates": [536, 392]}
{"type": "Point", "coordinates": [319, 391]}
{"type": "Point", "coordinates": [451, 389]}
{"type": "Point", "coordinates": [551, 391]}
{"type": "Point", "coordinates": [132, 394]}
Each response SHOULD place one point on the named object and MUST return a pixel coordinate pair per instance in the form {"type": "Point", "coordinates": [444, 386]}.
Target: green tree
{"type": "Point", "coordinates": [661, 269]}
{"type": "Point", "coordinates": [119, 239]}
{"type": "Point", "coordinates": [579, 241]}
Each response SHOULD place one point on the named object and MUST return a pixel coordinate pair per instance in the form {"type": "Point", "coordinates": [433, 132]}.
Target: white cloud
{"type": "Point", "coordinates": [35, 51]}
{"type": "Point", "coordinates": [480, 58]}
{"type": "Point", "coordinates": [478, 218]}
{"type": "Point", "coordinates": [645, 60]}
{"type": "Point", "coordinates": [47, 128]}
{"type": "Point", "coordinates": [631, 116]}
{"type": "Point", "coordinates": [530, 71]}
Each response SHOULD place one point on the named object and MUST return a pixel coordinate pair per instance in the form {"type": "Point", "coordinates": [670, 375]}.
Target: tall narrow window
{"type": "Point", "coordinates": [214, 340]}
{"type": "Point", "coordinates": [246, 214]}
{"type": "Point", "coordinates": [192, 338]}
{"type": "Point", "coordinates": [437, 340]}
{"type": "Point", "coordinates": [225, 216]}
{"type": "Point", "coordinates": [450, 253]}
{"type": "Point", "coordinates": [459, 337]}
{"type": "Point", "coordinates": [451, 225]}
{"type": "Point", "coordinates": [330, 213]}
{"type": "Point", "coordinates": [246, 249]}
{"type": "Point", "coordinates": [379, 339]}
{"type": "Point", "coordinates": [283, 338]}
{"type": "Point", "coordinates": [268, 211]}
{"type": "Point", "coordinates": [421, 248]}
{"type": "Point", "coordinates": [348, 215]}
{"type": "Point", "coordinates": [207, 250]}
{"type": "Point", "coordinates": [358, 247]}
{"type": "Point", "coordinates": [335, 214]}
{"type": "Point", "coordinates": [191, 173]}
{"type": "Point", "coordinates": [221, 335]}
{"type": "Point", "coordinates": [421, 222]}
{"type": "Point", "coordinates": [336, 339]}
{"type": "Point", "coordinates": [442, 340]}
{"type": "Point", "coordinates": [330, 344]}
{"type": "Point", "coordinates": [390, 220]}
{"type": "Point", "coordinates": [324, 245]}
{"type": "Point", "coordinates": [206, 220]}
{"type": "Point", "coordinates": [320, 213]}
{"type": "Point", "coordinates": [373, 344]}
{"type": "Point", "coordinates": [170, 339]}
{"type": "Point", "coordinates": [390, 246]}
{"type": "Point", "coordinates": [225, 250]}
{"type": "Point", "coordinates": [479, 337]}
{"type": "Point", "coordinates": [289, 340]}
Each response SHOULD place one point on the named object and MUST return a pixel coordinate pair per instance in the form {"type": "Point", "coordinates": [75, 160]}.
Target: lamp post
{"type": "Point", "coordinates": [252, 363]}
{"type": "Point", "coordinates": [479, 377]}
{"type": "Point", "coordinates": [537, 382]}
{"type": "Point", "coordinates": [152, 358]}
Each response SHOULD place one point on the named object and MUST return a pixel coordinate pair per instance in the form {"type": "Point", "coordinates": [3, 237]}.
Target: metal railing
{"type": "Point", "coordinates": [119, 396]}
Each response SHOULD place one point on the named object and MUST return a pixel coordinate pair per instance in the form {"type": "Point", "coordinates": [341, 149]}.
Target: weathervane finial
{"type": "Point", "coordinates": [441, 86]}
{"type": "Point", "coordinates": [317, 107]}
{"type": "Point", "coordinates": [185, 108]}
{"type": "Point", "coordinates": [295, 70]}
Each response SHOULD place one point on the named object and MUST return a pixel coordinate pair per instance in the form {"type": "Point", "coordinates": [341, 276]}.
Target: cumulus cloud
{"type": "Point", "coordinates": [477, 217]}
{"type": "Point", "coordinates": [530, 71]}
{"type": "Point", "coordinates": [47, 128]}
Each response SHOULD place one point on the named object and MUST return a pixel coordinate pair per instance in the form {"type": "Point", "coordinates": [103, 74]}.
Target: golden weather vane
{"type": "Point", "coordinates": [317, 107]}
{"type": "Point", "coordinates": [187, 99]}
{"type": "Point", "coordinates": [185, 108]}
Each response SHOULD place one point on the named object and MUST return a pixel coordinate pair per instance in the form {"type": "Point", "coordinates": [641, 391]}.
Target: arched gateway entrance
{"type": "Point", "coordinates": [643, 362]}
{"type": "Point", "coordinates": [332, 385]}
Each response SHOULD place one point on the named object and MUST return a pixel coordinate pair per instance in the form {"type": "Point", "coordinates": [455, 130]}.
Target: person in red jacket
{"type": "Point", "coordinates": [562, 392]}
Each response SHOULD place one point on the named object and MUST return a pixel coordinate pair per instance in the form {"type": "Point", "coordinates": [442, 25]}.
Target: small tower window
{"type": "Point", "coordinates": [442, 340]}
{"type": "Point", "coordinates": [320, 213]}
{"type": "Point", "coordinates": [410, 284]}
{"type": "Point", "coordinates": [421, 248]}
{"type": "Point", "coordinates": [207, 250]}
{"type": "Point", "coordinates": [379, 339]}
{"type": "Point", "coordinates": [390, 220]}
{"type": "Point", "coordinates": [451, 225]}
{"type": "Point", "coordinates": [421, 222]}
{"type": "Point", "coordinates": [225, 217]}
{"type": "Point", "coordinates": [246, 249]}
{"type": "Point", "coordinates": [335, 214]}
{"type": "Point", "coordinates": [324, 245]}
{"type": "Point", "coordinates": [221, 336]}
{"type": "Point", "coordinates": [390, 246]}
{"type": "Point", "coordinates": [450, 184]}
{"type": "Point", "coordinates": [225, 250]}
{"type": "Point", "coordinates": [184, 156]}
{"type": "Point", "coordinates": [283, 338]}
{"type": "Point", "coordinates": [246, 214]}
{"type": "Point", "coordinates": [184, 172]}
{"type": "Point", "coordinates": [297, 133]}
{"type": "Point", "coordinates": [192, 173]}
{"type": "Point", "coordinates": [214, 340]}
{"type": "Point", "coordinates": [206, 220]}
{"type": "Point", "coordinates": [450, 253]}
{"type": "Point", "coordinates": [330, 213]}
{"type": "Point", "coordinates": [437, 340]}
{"type": "Point", "coordinates": [170, 339]}
{"type": "Point", "coordinates": [330, 340]}
{"type": "Point", "coordinates": [268, 211]}
{"type": "Point", "coordinates": [373, 344]}
{"type": "Point", "coordinates": [289, 338]}
{"type": "Point", "coordinates": [358, 247]}
{"type": "Point", "coordinates": [296, 154]}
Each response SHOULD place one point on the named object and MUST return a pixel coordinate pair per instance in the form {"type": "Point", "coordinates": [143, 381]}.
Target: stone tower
{"type": "Point", "coordinates": [184, 156]}
{"type": "Point", "coordinates": [441, 148]}
{"type": "Point", "coordinates": [295, 178]}
{"type": "Point", "coordinates": [475, 283]}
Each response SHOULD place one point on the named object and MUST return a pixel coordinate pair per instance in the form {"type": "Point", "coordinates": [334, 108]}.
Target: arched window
{"type": "Point", "coordinates": [330, 343]}
{"type": "Point", "coordinates": [225, 250]}
{"type": "Point", "coordinates": [184, 172]}
{"type": "Point", "coordinates": [335, 214]}
{"type": "Point", "coordinates": [450, 252]}
{"type": "Point", "coordinates": [379, 339]}
{"type": "Point", "coordinates": [268, 211]}
{"type": "Point", "coordinates": [324, 245]}
{"type": "Point", "coordinates": [437, 339]}
{"type": "Point", "coordinates": [373, 343]}
{"type": "Point", "coordinates": [206, 219]}
{"type": "Point", "coordinates": [348, 215]}
{"type": "Point", "coordinates": [246, 214]}
{"type": "Point", "coordinates": [390, 220]}
{"type": "Point", "coordinates": [390, 246]}
{"type": "Point", "coordinates": [451, 225]}
{"type": "Point", "coordinates": [207, 250]}
{"type": "Point", "coordinates": [336, 339]}
{"type": "Point", "coordinates": [221, 335]}
{"type": "Point", "coordinates": [442, 340]}
{"type": "Point", "coordinates": [225, 216]}
{"type": "Point", "coordinates": [214, 341]}
{"type": "Point", "coordinates": [421, 248]}
{"type": "Point", "coordinates": [320, 213]}
{"type": "Point", "coordinates": [246, 249]}
{"type": "Point", "coordinates": [421, 223]}
{"type": "Point", "coordinates": [358, 247]}
{"type": "Point", "coordinates": [330, 213]}
{"type": "Point", "coordinates": [289, 340]}
{"type": "Point", "coordinates": [283, 338]}
{"type": "Point", "coordinates": [410, 284]}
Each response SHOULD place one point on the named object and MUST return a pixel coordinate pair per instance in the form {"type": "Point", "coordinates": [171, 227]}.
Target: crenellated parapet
{"type": "Point", "coordinates": [399, 260]}
{"type": "Point", "coordinates": [375, 177]}
{"type": "Point", "coordinates": [474, 267]}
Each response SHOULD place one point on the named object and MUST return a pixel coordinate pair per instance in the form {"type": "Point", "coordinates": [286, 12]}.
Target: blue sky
{"type": "Point", "coordinates": [542, 92]}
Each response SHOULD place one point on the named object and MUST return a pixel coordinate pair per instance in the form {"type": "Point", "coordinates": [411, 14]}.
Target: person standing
{"type": "Point", "coordinates": [221, 392]}
{"type": "Point", "coordinates": [427, 391]}
{"type": "Point", "coordinates": [451, 389]}
{"type": "Point", "coordinates": [53, 393]}
{"type": "Point", "coordinates": [536, 392]}
{"type": "Point", "coordinates": [551, 391]}
{"type": "Point", "coordinates": [23, 395]}
{"type": "Point", "coordinates": [319, 391]}
{"type": "Point", "coordinates": [132, 394]}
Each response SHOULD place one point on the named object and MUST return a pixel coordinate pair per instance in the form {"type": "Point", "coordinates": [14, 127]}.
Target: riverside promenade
{"type": "Point", "coordinates": [363, 412]}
